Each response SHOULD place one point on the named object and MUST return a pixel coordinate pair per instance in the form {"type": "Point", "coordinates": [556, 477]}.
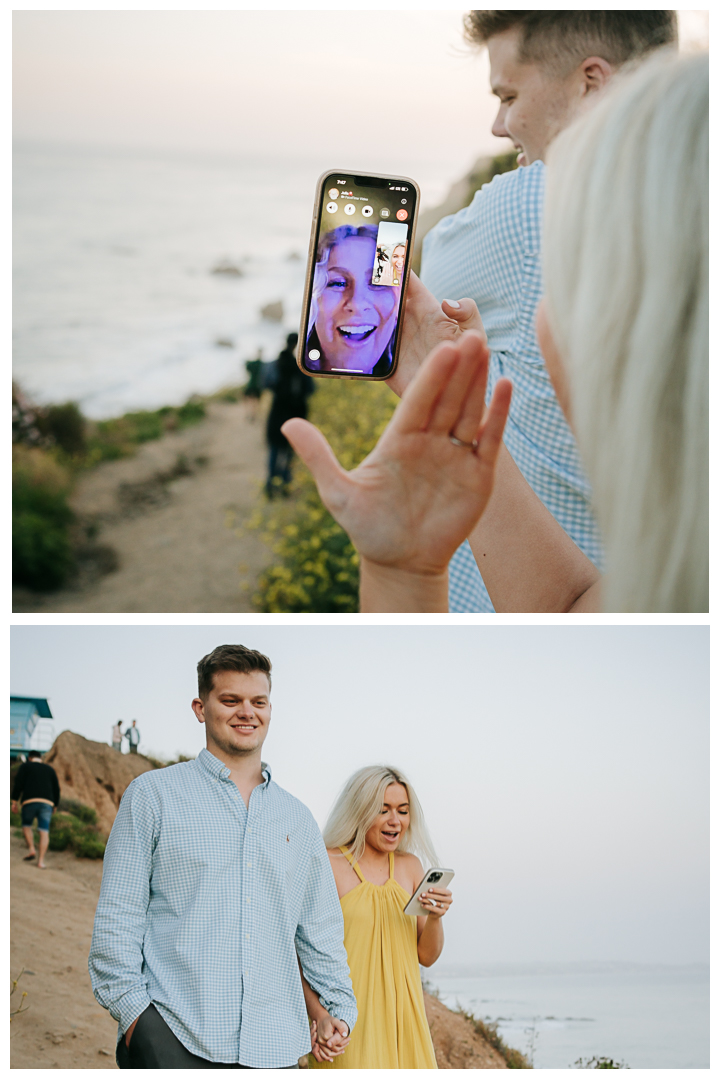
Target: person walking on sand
{"type": "Point", "coordinates": [117, 736]}
{"type": "Point", "coordinates": [374, 828]}
{"type": "Point", "coordinates": [133, 737]}
{"type": "Point", "coordinates": [253, 388]}
{"type": "Point", "coordinates": [216, 891]}
{"type": "Point", "coordinates": [37, 791]}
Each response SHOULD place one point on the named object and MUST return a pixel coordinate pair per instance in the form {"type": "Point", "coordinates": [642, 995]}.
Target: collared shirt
{"type": "Point", "coordinates": [490, 251]}
{"type": "Point", "coordinates": [204, 908]}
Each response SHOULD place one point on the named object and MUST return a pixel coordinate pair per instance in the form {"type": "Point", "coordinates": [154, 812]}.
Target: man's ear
{"type": "Point", "coordinates": [596, 73]}
{"type": "Point", "coordinates": [198, 709]}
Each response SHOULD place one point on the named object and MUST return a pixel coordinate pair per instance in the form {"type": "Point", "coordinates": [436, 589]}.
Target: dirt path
{"type": "Point", "coordinates": [172, 514]}
{"type": "Point", "coordinates": [51, 917]}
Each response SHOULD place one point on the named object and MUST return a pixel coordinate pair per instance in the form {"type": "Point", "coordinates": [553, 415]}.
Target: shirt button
{"type": "Point", "coordinates": [248, 900]}
{"type": "Point", "coordinates": [249, 866]}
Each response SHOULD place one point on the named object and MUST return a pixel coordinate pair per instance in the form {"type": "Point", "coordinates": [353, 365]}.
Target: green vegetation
{"type": "Point", "coordinates": [73, 826]}
{"type": "Point", "coordinates": [316, 567]}
{"type": "Point", "coordinates": [51, 445]}
{"type": "Point", "coordinates": [20, 1007]}
{"type": "Point", "coordinates": [489, 1032]}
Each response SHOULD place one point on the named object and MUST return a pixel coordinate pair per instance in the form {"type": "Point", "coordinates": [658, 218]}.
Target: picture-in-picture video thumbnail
{"type": "Point", "coordinates": [355, 298]}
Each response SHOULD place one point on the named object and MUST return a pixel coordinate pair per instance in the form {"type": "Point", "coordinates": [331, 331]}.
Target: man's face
{"type": "Point", "coordinates": [534, 106]}
{"type": "Point", "coordinates": [236, 712]}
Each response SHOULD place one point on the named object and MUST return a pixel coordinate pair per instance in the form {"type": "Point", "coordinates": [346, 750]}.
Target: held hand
{"type": "Point", "coordinates": [328, 1038]}
{"type": "Point", "coordinates": [436, 902]}
{"type": "Point", "coordinates": [14, 807]}
{"type": "Point", "coordinates": [418, 495]}
{"type": "Point", "coordinates": [426, 324]}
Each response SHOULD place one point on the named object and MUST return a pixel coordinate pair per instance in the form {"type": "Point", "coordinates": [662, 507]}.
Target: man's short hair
{"type": "Point", "coordinates": [229, 658]}
{"type": "Point", "coordinates": [34, 754]}
{"type": "Point", "coordinates": [560, 40]}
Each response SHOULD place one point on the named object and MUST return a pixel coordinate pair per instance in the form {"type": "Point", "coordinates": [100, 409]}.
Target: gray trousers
{"type": "Point", "coordinates": [154, 1046]}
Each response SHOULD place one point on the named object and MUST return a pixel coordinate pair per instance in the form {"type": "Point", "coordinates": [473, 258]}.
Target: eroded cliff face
{"type": "Point", "coordinates": [94, 774]}
{"type": "Point", "coordinates": [457, 1044]}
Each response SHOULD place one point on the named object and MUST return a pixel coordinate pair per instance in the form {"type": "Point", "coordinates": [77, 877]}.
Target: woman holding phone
{"type": "Point", "coordinates": [375, 828]}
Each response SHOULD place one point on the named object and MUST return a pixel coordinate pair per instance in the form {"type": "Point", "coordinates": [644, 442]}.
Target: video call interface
{"type": "Point", "coordinates": [360, 266]}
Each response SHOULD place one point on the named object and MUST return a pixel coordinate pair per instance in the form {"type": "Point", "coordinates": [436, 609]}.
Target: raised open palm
{"type": "Point", "coordinates": [416, 497]}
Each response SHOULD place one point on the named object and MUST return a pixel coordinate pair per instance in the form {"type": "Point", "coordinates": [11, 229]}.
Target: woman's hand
{"type": "Point", "coordinates": [328, 1038]}
{"type": "Point", "coordinates": [426, 324]}
{"type": "Point", "coordinates": [436, 902]}
{"type": "Point", "coordinates": [418, 494]}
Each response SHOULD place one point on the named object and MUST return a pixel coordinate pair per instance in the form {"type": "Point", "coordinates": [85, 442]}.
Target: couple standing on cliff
{"type": "Point", "coordinates": [226, 920]}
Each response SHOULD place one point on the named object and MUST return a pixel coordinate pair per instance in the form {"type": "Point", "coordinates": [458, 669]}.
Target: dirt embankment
{"type": "Point", "coordinates": [171, 517]}
{"type": "Point", "coordinates": [94, 774]}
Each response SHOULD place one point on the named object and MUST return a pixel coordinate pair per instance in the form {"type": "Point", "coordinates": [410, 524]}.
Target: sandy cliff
{"type": "Point", "coordinates": [93, 773]}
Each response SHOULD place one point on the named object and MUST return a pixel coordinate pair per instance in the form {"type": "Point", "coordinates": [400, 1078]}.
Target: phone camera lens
{"type": "Point", "coordinates": [434, 877]}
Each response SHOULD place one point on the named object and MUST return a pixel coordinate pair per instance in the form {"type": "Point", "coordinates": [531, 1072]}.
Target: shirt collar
{"type": "Point", "coordinates": [216, 767]}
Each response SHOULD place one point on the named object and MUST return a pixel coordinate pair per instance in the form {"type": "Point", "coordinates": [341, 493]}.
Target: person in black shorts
{"type": "Point", "coordinates": [37, 791]}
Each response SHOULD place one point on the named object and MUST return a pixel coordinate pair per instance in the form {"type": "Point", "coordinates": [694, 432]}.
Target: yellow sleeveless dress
{"type": "Point", "coordinates": [392, 1031]}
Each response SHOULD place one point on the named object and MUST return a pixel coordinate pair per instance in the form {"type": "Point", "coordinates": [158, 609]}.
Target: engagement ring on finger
{"type": "Point", "coordinates": [460, 442]}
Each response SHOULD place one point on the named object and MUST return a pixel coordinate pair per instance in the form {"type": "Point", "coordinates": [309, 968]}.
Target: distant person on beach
{"type": "Point", "coordinates": [37, 792]}
{"type": "Point", "coordinates": [117, 736]}
{"type": "Point", "coordinates": [373, 832]}
{"type": "Point", "coordinates": [133, 737]}
{"type": "Point", "coordinates": [291, 390]}
{"type": "Point", "coordinates": [216, 892]}
{"type": "Point", "coordinates": [624, 332]}
{"type": "Point", "coordinates": [253, 388]}
{"type": "Point", "coordinates": [545, 68]}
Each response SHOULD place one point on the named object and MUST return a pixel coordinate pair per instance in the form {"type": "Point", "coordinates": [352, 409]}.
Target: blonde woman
{"type": "Point", "coordinates": [624, 332]}
{"type": "Point", "coordinates": [374, 835]}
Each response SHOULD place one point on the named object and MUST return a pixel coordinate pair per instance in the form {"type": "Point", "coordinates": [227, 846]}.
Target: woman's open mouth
{"type": "Point", "coordinates": [356, 334]}
{"type": "Point", "coordinates": [391, 835]}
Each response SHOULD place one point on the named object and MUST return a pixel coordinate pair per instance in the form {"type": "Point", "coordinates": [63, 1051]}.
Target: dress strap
{"type": "Point", "coordinates": [352, 862]}
{"type": "Point", "coordinates": [391, 857]}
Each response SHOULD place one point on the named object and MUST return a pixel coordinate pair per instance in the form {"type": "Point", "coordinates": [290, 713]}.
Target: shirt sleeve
{"type": "Point", "coordinates": [116, 957]}
{"type": "Point", "coordinates": [319, 939]}
{"type": "Point", "coordinates": [17, 787]}
{"type": "Point", "coordinates": [56, 788]}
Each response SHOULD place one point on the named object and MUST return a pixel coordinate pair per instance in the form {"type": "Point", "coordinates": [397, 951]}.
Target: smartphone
{"type": "Point", "coordinates": [435, 878]}
{"type": "Point", "coordinates": [358, 268]}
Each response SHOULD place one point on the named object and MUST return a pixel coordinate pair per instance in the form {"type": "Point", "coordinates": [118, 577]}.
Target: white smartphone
{"type": "Point", "coordinates": [435, 878]}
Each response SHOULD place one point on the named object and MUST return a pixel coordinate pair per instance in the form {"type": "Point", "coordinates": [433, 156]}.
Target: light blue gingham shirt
{"type": "Point", "coordinates": [490, 251]}
{"type": "Point", "coordinates": [203, 905]}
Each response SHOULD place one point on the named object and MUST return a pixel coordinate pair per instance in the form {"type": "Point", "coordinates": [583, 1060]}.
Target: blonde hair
{"type": "Point", "coordinates": [359, 803]}
{"type": "Point", "coordinates": [626, 276]}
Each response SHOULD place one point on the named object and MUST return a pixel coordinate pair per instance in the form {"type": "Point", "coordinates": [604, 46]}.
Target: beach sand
{"type": "Point", "coordinates": [173, 513]}
{"type": "Point", "coordinates": [51, 918]}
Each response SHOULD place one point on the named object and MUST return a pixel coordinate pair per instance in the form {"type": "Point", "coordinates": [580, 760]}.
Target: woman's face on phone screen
{"type": "Point", "coordinates": [355, 319]}
{"type": "Point", "coordinates": [398, 258]}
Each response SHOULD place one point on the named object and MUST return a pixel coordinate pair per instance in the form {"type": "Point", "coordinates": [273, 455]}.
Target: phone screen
{"type": "Point", "coordinates": [359, 267]}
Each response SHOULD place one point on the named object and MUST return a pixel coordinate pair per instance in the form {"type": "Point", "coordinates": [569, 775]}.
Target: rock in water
{"type": "Point", "coordinates": [94, 774]}
{"type": "Point", "coordinates": [273, 312]}
{"type": "Point", "coordinates": [227, 268]}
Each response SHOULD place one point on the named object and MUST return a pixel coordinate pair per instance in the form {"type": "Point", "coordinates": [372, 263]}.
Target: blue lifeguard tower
{"type": "Point", "coordinates": [25, 714]}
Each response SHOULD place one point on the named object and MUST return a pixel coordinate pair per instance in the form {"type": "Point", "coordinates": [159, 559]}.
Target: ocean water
{"type": "Point", "coordinates": [115, 305]}
{"type": "Point", "coordinates": [648, 1016]}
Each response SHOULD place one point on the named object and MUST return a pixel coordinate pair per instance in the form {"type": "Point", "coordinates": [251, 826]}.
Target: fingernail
{"type": "Point", "coordinates": [452, 303]}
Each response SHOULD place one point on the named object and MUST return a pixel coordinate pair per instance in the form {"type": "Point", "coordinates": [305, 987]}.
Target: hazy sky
{"type": "Point", "coordinates": [563, 771]}
{"type": "Point", "coordinates": [391, 89]}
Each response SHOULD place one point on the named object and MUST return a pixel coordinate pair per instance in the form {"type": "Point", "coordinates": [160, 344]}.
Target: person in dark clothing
{"type": "Point", "coordinates": [291, 390]}
{"type": "Point", "coordinates": [37, 791]}
{"type": "Point", "coordinates": [254, 387]}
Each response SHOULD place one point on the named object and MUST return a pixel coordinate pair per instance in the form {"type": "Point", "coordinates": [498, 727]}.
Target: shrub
{"type": "Point", "coordinates": [317, 567]}
{"type": "Point", "coordinates": [42, 550]}
{"type": "Point", "coordinates": [65, 426]}
{"type": "Point", "coordinates": [15, 820]}
{"type": "Point", "coordinates": [75, 829]}
{"type": "Point", "coordinates": [87, 814]}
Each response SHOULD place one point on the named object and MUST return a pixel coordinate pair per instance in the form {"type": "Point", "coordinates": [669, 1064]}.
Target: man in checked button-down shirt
{"type": "Point", "coordinates": [216, 883]}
